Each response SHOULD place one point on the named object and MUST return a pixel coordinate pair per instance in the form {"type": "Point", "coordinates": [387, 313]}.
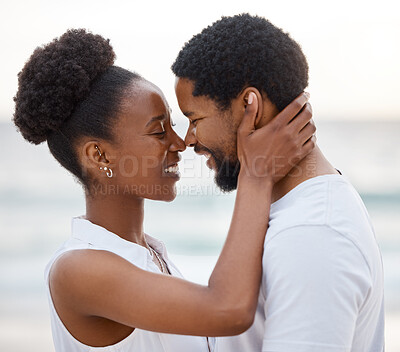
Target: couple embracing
{"type": "Point", "coordinates": [300, 269]}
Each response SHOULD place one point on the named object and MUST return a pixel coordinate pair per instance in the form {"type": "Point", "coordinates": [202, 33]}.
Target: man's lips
{"type": "Point", "coordinates": [210, 160]}
{"type": "Point", "coordinates": [202, 151]}
{"type": "Point", "coordinates": [207, 153]}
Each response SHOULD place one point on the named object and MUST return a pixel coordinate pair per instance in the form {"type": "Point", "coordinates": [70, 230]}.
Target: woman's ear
{"type": "Point", "coordinates": [93, 156]}
{"type": "Point", "coordinates": [243, 98]}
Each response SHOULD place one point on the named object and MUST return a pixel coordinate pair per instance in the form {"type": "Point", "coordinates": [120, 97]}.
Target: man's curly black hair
{"type": "Point", "coordinates": [242, 51]}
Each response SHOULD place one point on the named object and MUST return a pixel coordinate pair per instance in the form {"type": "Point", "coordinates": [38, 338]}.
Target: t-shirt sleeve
{"type": "Point", "coordinates": [315, 282]}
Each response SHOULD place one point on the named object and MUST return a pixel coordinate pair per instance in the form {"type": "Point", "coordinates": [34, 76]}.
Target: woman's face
{"type": "Point", "coordinates": [145, 154]}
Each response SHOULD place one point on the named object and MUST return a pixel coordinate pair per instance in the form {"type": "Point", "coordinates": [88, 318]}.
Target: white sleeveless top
{"type": "Point", "coordinates": [86, 235]}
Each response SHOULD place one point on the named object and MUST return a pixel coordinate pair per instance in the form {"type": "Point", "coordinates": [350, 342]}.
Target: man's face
{"type": "Point", "coordinates": [212, 132]}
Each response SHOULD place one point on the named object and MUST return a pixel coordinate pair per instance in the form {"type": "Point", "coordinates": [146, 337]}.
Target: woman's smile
{"type": "Point", "coordinates": [172, 171]}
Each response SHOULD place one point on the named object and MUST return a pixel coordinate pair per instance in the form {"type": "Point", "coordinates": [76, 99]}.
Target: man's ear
{"type": "Point", "coordinates": [243, 100]}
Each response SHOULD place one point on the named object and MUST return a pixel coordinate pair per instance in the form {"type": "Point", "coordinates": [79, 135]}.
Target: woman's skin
{"type": "Point", "coordinates": [100, 297]}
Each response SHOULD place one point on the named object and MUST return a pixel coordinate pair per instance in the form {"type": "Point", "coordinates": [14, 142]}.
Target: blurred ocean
{"type": "Point", "coordinates": [38, 199]}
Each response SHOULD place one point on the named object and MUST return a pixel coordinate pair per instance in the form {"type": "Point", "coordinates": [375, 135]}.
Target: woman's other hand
{"type": "Point", "coordinates": [271, 151]}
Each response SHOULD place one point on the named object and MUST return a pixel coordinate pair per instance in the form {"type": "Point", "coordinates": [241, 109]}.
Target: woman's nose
{"type": "Point", "coordinates": [177, 145]}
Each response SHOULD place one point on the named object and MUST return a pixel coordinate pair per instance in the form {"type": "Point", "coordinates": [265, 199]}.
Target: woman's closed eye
{"type": "Point", "coordinates": [160, 134]}
{"type": "Point", "coordinates": [159, 130]}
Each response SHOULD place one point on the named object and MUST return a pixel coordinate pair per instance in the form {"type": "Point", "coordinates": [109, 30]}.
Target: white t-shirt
{"type": "Point", "coordinates": [322, 287]}
{"type": "Point", "coordinates": [86, 235]}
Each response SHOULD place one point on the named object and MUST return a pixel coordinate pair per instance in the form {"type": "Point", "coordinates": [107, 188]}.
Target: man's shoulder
{"type": "Point", "coordinates": [320, 201]}
{"type": "Point", "coordinates": [327, 211]}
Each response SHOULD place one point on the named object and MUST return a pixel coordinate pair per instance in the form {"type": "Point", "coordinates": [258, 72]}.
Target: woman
{"type": "Point", "coordinates": [112, 287]}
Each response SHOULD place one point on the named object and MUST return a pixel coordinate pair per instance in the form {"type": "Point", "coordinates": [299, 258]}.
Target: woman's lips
{"type": "Point", "coordinates": [172, 170]}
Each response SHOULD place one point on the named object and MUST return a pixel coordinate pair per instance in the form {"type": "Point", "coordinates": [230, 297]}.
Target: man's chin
{"type": "Point", "coordinates": [225, 187]}
{"type": "Point", "coordinates": [227, 178]}
{"type": "Point", "coordinates": [226, 171]}
{"type": "Point", "coordinates": [211, 164]}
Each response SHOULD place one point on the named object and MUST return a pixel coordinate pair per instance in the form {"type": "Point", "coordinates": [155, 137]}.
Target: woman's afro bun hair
{"type": "Point", "coordinates": [56, 78]}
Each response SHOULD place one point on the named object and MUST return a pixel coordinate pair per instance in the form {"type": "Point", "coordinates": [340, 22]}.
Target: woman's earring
{"type": "Point", "coordinates": [98, 151]}
{"type": "Point", "coordinates": [108, 171]}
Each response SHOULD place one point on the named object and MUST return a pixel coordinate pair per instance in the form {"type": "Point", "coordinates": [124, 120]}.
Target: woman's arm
{"type": "Point", "coordinates": [92, 283]}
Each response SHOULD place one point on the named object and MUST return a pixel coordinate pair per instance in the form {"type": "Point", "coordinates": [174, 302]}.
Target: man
{"type": "Point", "coordinates": [322, 287]}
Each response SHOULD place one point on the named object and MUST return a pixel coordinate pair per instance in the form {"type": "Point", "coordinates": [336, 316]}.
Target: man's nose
{"type": "Point", "coordinates": [190, 138]}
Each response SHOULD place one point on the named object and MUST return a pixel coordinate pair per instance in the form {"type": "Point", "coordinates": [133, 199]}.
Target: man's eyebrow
{"type": "Point", "coordinates": [156, 118]}
{"type": "Point", "coordinates": [188, 113]}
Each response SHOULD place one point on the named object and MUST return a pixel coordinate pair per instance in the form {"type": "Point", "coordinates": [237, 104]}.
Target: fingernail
{"type": "Point", "coordinates": [250, 98]}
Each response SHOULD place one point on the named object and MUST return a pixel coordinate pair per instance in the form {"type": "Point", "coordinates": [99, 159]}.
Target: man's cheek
{"type": "Point", "coordinates": [200, 136]}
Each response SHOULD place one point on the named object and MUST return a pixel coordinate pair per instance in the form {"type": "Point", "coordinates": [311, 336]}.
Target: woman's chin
{"type": "Point", "coordinates": [168, 200]}
{"type": "Point", "coordinates": [168, 194]}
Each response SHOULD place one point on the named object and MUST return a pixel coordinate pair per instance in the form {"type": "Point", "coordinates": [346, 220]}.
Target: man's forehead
{"type": "Point", "coordinates": [194, 106]}
{"type": "Point", "coordinates": [183, 82]}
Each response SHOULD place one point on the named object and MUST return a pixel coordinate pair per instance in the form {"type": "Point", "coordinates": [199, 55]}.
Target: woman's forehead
{"type": "Point", "coordinates": [143, 104]}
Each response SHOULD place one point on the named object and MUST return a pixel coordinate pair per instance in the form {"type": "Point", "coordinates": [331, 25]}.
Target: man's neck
{"type": "Point", "coordinates": [314, 164]}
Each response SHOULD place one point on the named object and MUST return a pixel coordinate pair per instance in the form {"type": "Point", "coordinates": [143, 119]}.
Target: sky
{"type": "Point", "coordinates": [352, 47]}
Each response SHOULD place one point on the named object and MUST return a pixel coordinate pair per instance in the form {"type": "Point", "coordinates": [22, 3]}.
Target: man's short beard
{"type": "Point", "coordinates": [227, 173]}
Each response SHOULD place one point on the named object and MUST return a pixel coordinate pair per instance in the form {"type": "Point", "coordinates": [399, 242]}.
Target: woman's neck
{"type": "Point", "coordinates": [120, 215]}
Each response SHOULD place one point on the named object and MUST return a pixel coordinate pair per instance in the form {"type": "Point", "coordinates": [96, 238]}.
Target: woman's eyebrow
{"type": "Point", "coordinates": [156, 118]}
